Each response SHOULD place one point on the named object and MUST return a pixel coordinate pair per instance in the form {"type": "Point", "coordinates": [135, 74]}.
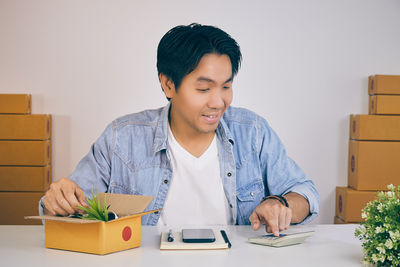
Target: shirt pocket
{"type": "Point", "coordinates": [248, 198]}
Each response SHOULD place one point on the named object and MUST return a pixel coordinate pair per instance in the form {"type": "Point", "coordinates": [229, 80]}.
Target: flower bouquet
{"type": "Point", "coordinates": [380, 233]}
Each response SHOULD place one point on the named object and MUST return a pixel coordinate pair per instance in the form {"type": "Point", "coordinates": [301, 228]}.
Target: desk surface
{"type": "Point", "coordinates": [332, 245]}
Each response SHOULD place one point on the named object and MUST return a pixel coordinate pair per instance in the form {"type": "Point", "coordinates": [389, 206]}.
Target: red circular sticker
{"type": "Point", "coordinates": [126, 233]}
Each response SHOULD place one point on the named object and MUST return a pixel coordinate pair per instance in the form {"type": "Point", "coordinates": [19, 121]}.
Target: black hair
{"type": "Point", "coordinates": [181, 49]}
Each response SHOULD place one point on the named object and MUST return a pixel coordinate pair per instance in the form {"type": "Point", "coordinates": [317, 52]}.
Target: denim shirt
{"type": "Point", "coordinates": [130, 157]}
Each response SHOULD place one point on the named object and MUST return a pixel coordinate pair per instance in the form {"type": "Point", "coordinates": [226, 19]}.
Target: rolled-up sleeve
{"type": "Point", "coordinates": [281, 174]}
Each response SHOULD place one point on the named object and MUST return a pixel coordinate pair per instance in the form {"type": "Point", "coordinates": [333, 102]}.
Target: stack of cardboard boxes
{"type": "Point", "coordinates": [374, 149]}
{"type": "Point", "coordinates": [25, 158]}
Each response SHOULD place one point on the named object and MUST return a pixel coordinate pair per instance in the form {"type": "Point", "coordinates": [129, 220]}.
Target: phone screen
{"type": "Point", "coordinates": [198, 235]}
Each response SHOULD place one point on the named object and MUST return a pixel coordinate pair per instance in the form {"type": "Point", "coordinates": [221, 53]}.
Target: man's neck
{"type": "Point", "coordinates": [193, 142]}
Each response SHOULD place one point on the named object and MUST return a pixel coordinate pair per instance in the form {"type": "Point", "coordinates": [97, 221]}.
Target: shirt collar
{"type": "Point", "coordinates": [161, 134]}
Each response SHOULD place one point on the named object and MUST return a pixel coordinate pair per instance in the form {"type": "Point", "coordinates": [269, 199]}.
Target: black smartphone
{"type": "Point", "coordinates": [198, 235]}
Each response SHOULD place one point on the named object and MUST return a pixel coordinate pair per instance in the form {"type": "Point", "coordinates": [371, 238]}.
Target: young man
{"type": "Point", "coordinates": [204, 162]}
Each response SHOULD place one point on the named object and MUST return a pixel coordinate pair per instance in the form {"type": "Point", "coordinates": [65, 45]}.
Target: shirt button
{"type": "Point", "coordinates": [165, 181]}
{"type": "Point", "coordinates": [230, 205]}
{"type": "Point", "coordinates": [229, 174]}
{"type": "Point", "coordinates": [251, 194]}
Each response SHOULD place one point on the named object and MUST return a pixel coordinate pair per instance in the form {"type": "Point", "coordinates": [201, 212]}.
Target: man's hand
{"type": "Point", "coordinates": [64, 197]}
{"type": "Point", "coordinates": [273, 214]}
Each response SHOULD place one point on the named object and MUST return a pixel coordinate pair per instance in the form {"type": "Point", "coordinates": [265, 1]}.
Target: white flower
{"type": "Point", "coordinates": [381, 250]}
{"type": "Point", "coordinates": [378, 229]}
{"type": "Point", "coordinates": [374, 258]}
{"type": "Point", "coordinates": [389, 244]}
{"type": "Point", "coordinates": [380, 207]}
{"type": "Point", "coordinates": [390, 187]}
{"type": "Point", "coordinates": [363, 215]}
{"type": "Point", "coordinates": [390, 194]}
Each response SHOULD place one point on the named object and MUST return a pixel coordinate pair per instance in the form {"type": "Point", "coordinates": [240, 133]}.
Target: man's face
{"type": "Point", "coordinates": [203, 96]}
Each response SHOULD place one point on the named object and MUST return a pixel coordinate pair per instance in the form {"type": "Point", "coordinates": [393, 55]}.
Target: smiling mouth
{"type": "Point", "coordinates": [211, 119]}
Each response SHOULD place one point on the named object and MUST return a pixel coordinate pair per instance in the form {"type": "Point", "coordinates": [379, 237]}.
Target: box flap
{"type": "Point", "coordinates": [124, 205]}
{"type": "Point", "coordinates": [76, 220]}
{"type": "Point", "coordinates": [61, 219]}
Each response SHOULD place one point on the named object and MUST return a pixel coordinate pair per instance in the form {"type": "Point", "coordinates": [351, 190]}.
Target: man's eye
{"type": "Point", "coordinates": [227, 87]}
{"type": "Point", "coordinates": [203, 90]}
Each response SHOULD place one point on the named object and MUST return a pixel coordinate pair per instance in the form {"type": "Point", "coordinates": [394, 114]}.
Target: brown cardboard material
{"type": "Point", "coordinates": [99, 237]}
{"type": "Point", "coordinates": [25, 127]}
{"type": "Point", "coordinates": [350, 202]}
{"type": "Point", "coordinates": [384, 84]}
{"type": "Point", "coordinates": [375, 127]}
{"type": "Point", "coordinates": [25, 153]}
{"type": "Point", "coordinates": [15, 104]}
{"type": "Point", "coordinates": [337, 220]}
{"type": "Point", "coordinates": [384, 105]}
{"type": "Point", "coordinates": [373, 165]}
{"type": "Point", "coordinates": [20, 178]}
{"type": "Point", "coordinates": [15, 205]}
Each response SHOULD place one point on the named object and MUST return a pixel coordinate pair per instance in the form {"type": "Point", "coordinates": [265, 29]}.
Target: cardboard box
{"type": "Point", "coordinates": [15, 205]}
{"type": "Point", "coordinates": [25, 153]}
{"type": "Point", "coordinates": [384, 105]}
{"type": "Point", "coordinates": [350, 202]}
{"type": "Point", "coordinates": [15, 104]}
{"type": "Point", "coordinates": [99, 237]}
{"type": "Point", "coordinates": [16, 178]}
{"type": "Point", "coordinates": [25, 127]}
{"type": "Point", "coordinates": [337, 220]}
{"type": "Point", "coordinates": [375, 127]}
{"type": "Point", "coordinates": [384, 85]}
{"type": "Point", "coordinates": [373, 165]}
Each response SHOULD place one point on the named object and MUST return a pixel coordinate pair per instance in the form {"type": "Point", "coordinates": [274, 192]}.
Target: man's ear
{"type": "Point", "coordinates": [167, 86]}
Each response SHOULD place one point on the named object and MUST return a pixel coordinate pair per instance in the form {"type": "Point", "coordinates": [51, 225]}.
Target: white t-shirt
{"type": "Point", "coordinates": [196, 195]}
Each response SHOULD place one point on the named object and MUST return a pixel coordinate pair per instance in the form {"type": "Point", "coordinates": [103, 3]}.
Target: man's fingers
{"type": "Point", "coordinates": [52, 206]}
{"type": "Point", "coordinates": [282, 219]}
{"type": "Point", "coordinates": [48, 206]}
{"type": "Point", "coordinates": [71, 198]}
{"type": "Point", "coordinates": [81, 197]}
{"type": "Point", "coordinates": [255, 222]}
{"type": "Point", "coordinates": [273, 224]}
{"type": "Point", "coordinates": [61, 202]}
{"type": "Point", "coordinates": [288, 218]}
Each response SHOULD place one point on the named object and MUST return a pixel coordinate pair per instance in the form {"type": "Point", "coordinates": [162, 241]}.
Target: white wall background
{"type": "Point", "coordinates": [305, 67]}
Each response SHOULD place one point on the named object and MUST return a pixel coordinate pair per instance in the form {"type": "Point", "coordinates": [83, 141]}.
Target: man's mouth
{"type": "Point", "coordinates": [211, 118]}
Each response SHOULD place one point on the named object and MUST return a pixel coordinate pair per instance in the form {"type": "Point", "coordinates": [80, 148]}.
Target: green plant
{"type": "Point", "coordinates": [95, 211]}
{"type": "Point", "coordinates": [380, 233]}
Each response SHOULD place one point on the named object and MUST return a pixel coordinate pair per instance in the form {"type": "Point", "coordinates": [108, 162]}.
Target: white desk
{"type": "Point", "coordinates": [332, 245]}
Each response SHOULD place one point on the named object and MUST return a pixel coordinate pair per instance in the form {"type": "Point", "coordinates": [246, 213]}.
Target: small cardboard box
{"type": "Point", "coordinates": [337, 220]}
{"type": "Point", "coordinates": [384, 105]}
{"type": "Point", "coordinates": [350, 202]}
{"type": "Point", "coordinates": [25, 153]}
{"type": "Point", "coordinates": [25, 178]}
{"type": "Point", "coordinates": [15, 104]}
{"type": "Point", "coordinates": [375, 127]}
{"type": "Point", "coordinates": [373, 165]}
{"type": "Point", "coordinates": [25, 127]}
{"type": "Point", "coordinates": [15, 205]}
{"type": "Point", "coordinates": [99, 237]}
{"type": "Point", "coordinates": [384, 85]}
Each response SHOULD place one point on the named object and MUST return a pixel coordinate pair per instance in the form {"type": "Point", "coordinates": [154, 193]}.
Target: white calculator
{"type": "Point", "coordinates": [282, 240]}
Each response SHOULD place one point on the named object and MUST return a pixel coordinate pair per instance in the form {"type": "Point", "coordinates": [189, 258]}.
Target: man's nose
{"type": "Point", "coordinates": [216, 100]}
